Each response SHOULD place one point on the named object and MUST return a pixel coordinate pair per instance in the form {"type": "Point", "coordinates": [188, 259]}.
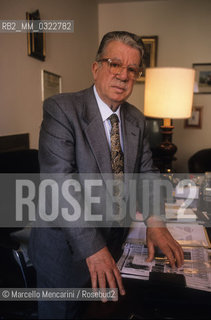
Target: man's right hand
{"type": "Point", "coordinates": [103, 270]}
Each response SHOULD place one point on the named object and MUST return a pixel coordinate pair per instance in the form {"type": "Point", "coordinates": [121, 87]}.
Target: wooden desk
{"type": "Point", "coordinates": [158, 298]}
{"type": "Point", "coordinates": [147, 300]}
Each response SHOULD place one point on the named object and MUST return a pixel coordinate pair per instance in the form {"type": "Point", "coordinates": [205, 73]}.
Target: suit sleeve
{"type": "Point", "coordinates": [151, 196]}
{"type": "Point", "coordinates": [57, 155]}
{"type": "Point", "coordinates": [146, 162]}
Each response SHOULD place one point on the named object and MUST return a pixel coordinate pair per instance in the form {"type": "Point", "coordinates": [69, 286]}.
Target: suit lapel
{"type": "Point", "coordinates": [95, 133]}
{"type": "Point", "coordinates": [130, 132]}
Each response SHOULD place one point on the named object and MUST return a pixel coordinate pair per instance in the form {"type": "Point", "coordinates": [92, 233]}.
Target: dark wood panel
{"type": "Point", "coordinates": [14, 142]}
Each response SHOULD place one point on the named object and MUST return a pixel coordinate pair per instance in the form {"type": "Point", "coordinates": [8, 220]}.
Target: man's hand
{"type": "Point", "coordinates": [103, 270]}
{"type": "Point", "coordinates": [161, 237]}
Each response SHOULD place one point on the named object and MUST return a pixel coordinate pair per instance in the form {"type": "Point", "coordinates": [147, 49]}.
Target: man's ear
{"type": "Point", "coordinates": [95, 68]}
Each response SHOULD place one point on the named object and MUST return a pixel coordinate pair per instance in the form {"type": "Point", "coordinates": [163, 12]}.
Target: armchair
{"type": "Point", "coordinates": [16, 269]}
{"type": "Point", "coordinates": [200, 161]}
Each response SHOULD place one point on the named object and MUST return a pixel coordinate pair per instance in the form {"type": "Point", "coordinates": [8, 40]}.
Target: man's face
{"type": "Point", "coordinates": [114, 89]}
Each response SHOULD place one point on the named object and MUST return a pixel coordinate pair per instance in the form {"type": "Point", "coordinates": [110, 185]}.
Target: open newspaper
{"type": "Point", "coordinates": [197, 255]}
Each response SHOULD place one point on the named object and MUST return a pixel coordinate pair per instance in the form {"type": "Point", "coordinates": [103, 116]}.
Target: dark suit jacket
{"type": "Point", "coordinates": [73, 140]}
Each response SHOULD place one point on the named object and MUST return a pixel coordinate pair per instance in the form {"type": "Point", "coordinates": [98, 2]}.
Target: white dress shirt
{"type": "Point", "coordinates": [106, 112]}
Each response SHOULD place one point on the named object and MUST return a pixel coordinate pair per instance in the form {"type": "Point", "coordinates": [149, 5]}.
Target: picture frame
{"type": "Point", "coordinates": [150, 54]}
{"type": "Point", "coordinates": [51, 84]}
{"type": "Point", "coordinates": [35, 40]}
{"type": "Point", "coordinates": [202, 78]}
{"type": "Point", "coordinates": [195, 121]}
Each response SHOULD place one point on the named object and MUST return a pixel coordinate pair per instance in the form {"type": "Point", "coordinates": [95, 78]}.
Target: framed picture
{"type": "Point", "coordinates": [195, 121]}
{"type": "Point", "coordinates": [51, 84]}
{"type": "Point", "coordinates": [150, 54]}
{"type": "Point", "coordinates": [202, 77]}
{"type": "Point", "coordinates": [35, 40]}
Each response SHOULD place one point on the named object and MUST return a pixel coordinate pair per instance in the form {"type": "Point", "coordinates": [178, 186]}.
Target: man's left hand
{"type": "Point", "coordinates": [161, 237]}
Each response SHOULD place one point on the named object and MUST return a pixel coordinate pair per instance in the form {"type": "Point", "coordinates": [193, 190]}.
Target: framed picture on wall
{"type": "Point", "coordinates": [195, 121]}
{"type": "Point", "coordinates": [150, 54]}
{"type": "Point", "coordinates": [202, 77]}
{"type": "Point", "coordinates": [51, 84]}
{"type": "Point", "coordinates": [35, 40]}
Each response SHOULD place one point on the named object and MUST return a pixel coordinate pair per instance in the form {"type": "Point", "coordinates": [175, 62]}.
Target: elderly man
{"type": "Point", "coordinates": [79, 134]}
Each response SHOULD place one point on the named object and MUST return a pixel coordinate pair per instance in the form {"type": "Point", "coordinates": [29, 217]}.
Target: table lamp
{"type": "Point", "coordinates": [168, 95]}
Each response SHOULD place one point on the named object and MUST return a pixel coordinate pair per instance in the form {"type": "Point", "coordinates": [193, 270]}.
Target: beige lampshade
{"type": "Point", "coordinates": [169, 92]}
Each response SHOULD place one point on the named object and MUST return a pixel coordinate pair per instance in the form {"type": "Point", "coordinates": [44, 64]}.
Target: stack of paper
{"type": "Point", "coordinates": [179, 212]}
{"type": "Point", "coordinates": [186, 234]}
{"type": "Point", "coordinates": [197, 263]}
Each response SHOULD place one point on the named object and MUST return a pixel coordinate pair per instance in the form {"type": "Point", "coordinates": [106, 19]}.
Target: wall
{"type": "Point", "coordinates": [183, 28]}
{"type": "Point", "coordinates": [69, 55]}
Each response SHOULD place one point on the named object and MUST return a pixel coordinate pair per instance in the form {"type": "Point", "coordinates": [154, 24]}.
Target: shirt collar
{"type": "Point", "coordinates": [105, 110]}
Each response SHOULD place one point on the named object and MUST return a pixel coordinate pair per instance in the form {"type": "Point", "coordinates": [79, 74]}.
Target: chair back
{"type": "Point", "coordinates": [19, 161]}
{"type": "Point", "coordinates": [200, 161]}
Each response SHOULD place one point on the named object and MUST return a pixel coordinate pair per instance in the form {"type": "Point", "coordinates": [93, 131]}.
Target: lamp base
{"type": "Point", "coordinates": [164, 153]}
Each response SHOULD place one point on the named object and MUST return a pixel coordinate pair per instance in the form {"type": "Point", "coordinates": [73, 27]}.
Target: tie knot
{"type": "Point", "coordinates": [114, 119]}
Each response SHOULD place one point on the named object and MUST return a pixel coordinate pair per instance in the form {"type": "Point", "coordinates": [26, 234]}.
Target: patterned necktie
{"type": "Point", "coordinates": [117, 156]}
{"type": "Point", "coordinates": [117, 163]}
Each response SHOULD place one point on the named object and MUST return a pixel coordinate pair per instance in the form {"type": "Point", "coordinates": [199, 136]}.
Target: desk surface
{"type": "Point", "coordinates": [154, 299]}
{"type": "Point", "coordinates": [145, 300]}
